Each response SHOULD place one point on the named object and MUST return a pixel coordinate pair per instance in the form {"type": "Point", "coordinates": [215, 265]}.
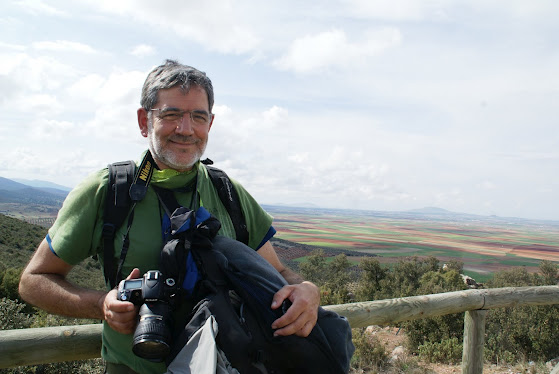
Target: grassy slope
{"type": "Point", "coordinates": [18, 241]}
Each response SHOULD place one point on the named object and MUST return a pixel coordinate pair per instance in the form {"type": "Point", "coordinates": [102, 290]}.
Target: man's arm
{"type": "Point", "coordinates": [301, 317]}
{"type": "Point", "coordinates": [43, 283]}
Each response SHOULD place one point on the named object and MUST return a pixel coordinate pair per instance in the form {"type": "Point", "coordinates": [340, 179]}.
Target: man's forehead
{"type": "Point", "coordinates": [177, 93]}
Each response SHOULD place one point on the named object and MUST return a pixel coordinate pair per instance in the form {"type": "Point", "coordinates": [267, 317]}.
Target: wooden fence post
{"type": "Point", "coordinates": [474, 340]}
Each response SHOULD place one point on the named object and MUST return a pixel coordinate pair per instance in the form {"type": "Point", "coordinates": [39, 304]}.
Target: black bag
{"type": "Point", "coordinates": [237, 286]}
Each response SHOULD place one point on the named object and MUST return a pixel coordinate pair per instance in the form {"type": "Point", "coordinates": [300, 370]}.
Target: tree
{"type": "Point", "coordinates": [337, 280]}
{"type": "Point", "coordinates": [515, 277]}
{"type": "Point", "coordinates": [523, 333]}
{"type": "Point", "coordinates": [548, 271]}
{"type": "Point", "coordinates": [439, 337]}
{"type": "Point", "coordinates": [454, 265]}
{"type": "Point", "coordinates": [314, 269]}
{"type": "Point", "coordinates": [371, 277]}
{"type": "Point", "coordinates": [405, 277]}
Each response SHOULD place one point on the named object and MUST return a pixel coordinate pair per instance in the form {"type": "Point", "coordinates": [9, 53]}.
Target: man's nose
{"type": "Point", "coordinates": [185, 126]}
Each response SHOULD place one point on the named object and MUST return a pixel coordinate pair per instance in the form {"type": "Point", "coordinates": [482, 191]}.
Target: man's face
{"type": "Point", "coordinates": [176, 143]}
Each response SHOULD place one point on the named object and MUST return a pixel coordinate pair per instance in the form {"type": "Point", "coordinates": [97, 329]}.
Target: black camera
{"type": "Point", "coordinates": [152, 337]}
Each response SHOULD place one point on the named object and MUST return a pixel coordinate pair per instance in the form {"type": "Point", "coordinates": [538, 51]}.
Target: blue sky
{"type": "Point", "coordinates": [380, 105]}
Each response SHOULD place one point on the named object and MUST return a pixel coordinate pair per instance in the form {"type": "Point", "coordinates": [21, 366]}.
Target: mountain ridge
{"type": "Point", "coordinates": [16, 192]}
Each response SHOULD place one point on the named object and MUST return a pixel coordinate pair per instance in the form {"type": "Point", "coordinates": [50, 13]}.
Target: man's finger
{"type": "Point", "coordinates": [281, 295]}
{"type": "Point", "coordinates": [135, 273]}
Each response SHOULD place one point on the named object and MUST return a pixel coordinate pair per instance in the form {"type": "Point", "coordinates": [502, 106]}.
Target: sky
{"type": "Point", "coordinates": [384, 105]}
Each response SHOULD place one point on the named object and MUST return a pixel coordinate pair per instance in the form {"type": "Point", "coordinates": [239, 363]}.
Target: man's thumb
{"type": "Point", "coordinates": [135, 273]}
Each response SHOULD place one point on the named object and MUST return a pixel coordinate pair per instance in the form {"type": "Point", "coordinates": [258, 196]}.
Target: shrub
{"type": "Point", "coordinates": [445, 351]}
{"type": "Point", "coordinates": [9, 283]}
{"type": "Point", "coordinates": [12, 316]}
{"type": "Point", "coordinates": [369, 352]}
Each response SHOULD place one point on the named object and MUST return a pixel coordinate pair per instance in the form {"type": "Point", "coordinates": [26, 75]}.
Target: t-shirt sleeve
{"type": "Point", "coordinates": [76, 233]}
{"type": "Point", "coordinates": [257, 219]}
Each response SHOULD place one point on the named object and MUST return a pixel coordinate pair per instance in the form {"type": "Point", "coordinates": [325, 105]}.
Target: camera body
{"type": "Point", "coordinates": [152, 337]}
{"type": "Point", "coordinates": [150, 288]}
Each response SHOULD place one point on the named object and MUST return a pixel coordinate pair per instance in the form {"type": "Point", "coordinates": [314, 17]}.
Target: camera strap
{"type": "Point", "coordinates": [137, 192]}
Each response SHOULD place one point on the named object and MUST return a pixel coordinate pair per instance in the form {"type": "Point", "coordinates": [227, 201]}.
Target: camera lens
{"type": "Point", "coordinates": [152, 336]}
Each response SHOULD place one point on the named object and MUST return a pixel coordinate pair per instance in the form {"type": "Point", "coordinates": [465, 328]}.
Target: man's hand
{"type": "Point", "coordinates": [302, 315]}
{"type": "Point", "coordinates": [122, 316]}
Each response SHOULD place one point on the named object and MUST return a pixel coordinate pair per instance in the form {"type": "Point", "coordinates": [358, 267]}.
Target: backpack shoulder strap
{"type": "Point", "coordinates": [117, 206]}
{"type": "Point", "coordinates": [230, 199]}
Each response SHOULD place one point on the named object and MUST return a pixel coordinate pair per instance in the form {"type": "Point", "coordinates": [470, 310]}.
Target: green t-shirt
{"type": "Point", "coordinates": [76, 235]}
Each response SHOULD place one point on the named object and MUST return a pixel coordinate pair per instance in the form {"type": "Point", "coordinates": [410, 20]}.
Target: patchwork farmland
{"type": "Point", "coordinates": [483, 244]}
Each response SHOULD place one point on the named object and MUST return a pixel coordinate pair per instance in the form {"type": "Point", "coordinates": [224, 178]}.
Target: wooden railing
{"type": "Point", "coordinates": [66, 343]}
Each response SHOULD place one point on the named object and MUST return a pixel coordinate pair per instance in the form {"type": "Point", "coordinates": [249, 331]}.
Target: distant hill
{"type": "Point", "coordinates": [15, 192]}
{"type": "Point", "coordinates": [42, 184]}
{"type": "Point", "coordinates": [431, 210]}
{"type": "Point", "coordinates": [296, 205]}
{"type": "Point", "coordinates": [10, 185]}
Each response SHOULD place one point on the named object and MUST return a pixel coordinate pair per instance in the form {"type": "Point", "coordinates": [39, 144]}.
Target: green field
{"type": "Point", "coordinates": [483, 244]}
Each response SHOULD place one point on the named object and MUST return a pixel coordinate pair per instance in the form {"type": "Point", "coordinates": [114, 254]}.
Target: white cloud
{"type": "Point", "coordinates": [45, 130]}
{"type": "Point", "coordinates": [265, 121]}
{"type": "Point", "coordinates": [217, 25]}
{"type": "Point", "coordinates": [143, 50]}
{"type": "Point", "coordinates": [487, 185]}
{"type": "Point", "coordinates": [63, 46]}
{"type": "Point", "coordinates": [39, 7]}
{"type": "Point", "coordinates": [13, 47]}
{"type": "Point", "coordinates": [65, 168]}
{"type": "Point", "coordinates": [36, 74]}
{"type": "Point", "coordinates": [23, 158]}
{"type": "Point", "coordinates": [36, 105]}
{"type": "Point", "coordinates": [395, 10]}
{"type": "Point", "coordinates": [87, 86]}
{"type": "Point", "coordinates": [319, 52]}
{"type": "Point", "coordinates": [122, 87]}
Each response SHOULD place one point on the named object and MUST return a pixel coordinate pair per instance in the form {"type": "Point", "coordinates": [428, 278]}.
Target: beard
{"type": "Point", "coordinates": [180, 160]}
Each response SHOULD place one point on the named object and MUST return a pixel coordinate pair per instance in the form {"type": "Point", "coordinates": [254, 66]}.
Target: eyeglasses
{"type": "Point", "coordinates": [173, 115]}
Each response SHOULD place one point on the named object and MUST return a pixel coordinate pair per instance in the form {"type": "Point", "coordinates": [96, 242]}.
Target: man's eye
{"type": "Point", "coordinates": [171, 116]}
{"type": "Point", "coordinates": [200, 117]}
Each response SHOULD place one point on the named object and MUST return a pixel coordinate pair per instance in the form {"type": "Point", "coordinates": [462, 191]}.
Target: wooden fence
{"type": "Point", "coordinates": [65, 343]}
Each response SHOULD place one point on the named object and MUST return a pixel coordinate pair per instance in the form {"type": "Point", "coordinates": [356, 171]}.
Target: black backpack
{"type": "Point", "coordinates": [236, 287]}
{"type": "Point", "coordinates": [126, 188]}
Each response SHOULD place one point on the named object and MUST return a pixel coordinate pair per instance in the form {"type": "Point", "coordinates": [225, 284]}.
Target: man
{"type": "Point", "coordinates": [176, 117]}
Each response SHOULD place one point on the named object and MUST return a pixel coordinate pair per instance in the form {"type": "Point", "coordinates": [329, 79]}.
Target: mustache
{"type": "Point", "coordinates": [184, 139]}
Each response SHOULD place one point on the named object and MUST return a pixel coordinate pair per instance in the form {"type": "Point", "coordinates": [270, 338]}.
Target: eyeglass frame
{"type": "Point", "coordinates": [181, 114]}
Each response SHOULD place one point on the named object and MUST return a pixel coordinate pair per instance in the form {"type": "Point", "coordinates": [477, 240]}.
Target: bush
{"type": "Point", "coordinates": [523, 333]}
{"type": "Point", "coordinates": [94, 366]}
{"type": "Point", "coordinates": [9, 283]}
{"type": "Point", "coordinates": [12, 316]}
{"type": "Point", "coordinates": [369, 352]}
{"type": "Point", "coordinates": [445, 351]}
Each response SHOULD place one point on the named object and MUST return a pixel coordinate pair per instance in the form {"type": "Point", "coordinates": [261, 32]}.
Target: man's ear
{"type": "Point", "coordinates": [143, 122]}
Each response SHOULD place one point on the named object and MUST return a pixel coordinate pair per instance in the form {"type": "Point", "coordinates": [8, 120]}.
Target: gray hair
{"type": "Point", "coordinates": [171, 74]}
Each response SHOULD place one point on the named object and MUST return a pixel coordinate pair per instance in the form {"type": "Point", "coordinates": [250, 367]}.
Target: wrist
{"type": "Point", "coordinates": [101, 305]}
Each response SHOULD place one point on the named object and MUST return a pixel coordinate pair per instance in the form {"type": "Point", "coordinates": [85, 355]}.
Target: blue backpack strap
{"type": "Point", "coordinates": [230, 200]}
